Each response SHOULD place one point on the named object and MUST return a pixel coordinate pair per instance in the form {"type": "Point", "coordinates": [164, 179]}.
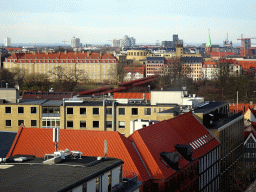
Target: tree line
{"type": "Point", "coordinates": [224, 87]}
{"type": "Point", "coordinates": [58, 78]}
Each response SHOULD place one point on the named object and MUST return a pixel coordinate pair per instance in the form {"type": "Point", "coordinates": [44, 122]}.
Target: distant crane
{"type": "Point", "coordinates": [244, 44]}
{"type": "Point", "coordinates": [34, 44]}
{"type": "Point", "coordinates": [64, 42]}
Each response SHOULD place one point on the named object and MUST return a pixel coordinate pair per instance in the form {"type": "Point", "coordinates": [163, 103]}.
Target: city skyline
{"type": "Point", "coordinates": [147, 21]}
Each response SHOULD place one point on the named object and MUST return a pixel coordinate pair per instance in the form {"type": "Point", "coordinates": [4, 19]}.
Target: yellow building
{"type": "Point", "coordinates": [94, 66]}
{"type": "Point", "coordinates": [137, 56]}
{"type": "Point", "coordinates": [108, 115]}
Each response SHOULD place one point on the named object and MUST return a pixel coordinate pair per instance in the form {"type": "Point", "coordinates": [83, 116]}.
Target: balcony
{"type": "Point", "coordinates": [128, 184]}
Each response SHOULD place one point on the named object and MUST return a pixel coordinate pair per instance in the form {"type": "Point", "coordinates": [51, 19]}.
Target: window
{"type": "Point", "coordinates": [147, 111]}
{"type": "Point", "coordinates": [20, 109]}
{"type": "Point", "coordinates": [134, 111]}
{"type": "Point", "coordinates": [82, 111]}
{"type": "Point", "coordinates": [109, 124]}
{"type": "Point", "coordinates": [121, 124]}
{"type": "Point", "coordinates": [33, 110]}
{"type": "Point", "coordinates": [20, 122]}
{"type": "Point", "coordinates": [33, 123]}
{"type": "Point", "coordinates": [109, 111]}
{"type": "Point", "coordinates": [8, 123]}
{"type": "Point", "coordinates": [82, 124]}
{"type": "Point", "coordinates": [95, 111]}
{"type": "Point", "coordinates": [69, 124]}
{"type": "Point", "coordinates": [96, 124]}
{"type": "Point", "coordinates": [8, 110]}
{"type": "Point", "coordinates": [70, 110]}
{"type": "Point", "coordinates": [121, 111]}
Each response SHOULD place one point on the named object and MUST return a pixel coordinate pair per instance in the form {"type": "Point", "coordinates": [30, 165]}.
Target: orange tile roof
{"type": "Point", "coordinates": [163, 136]}
{"type": "Point", "coordinates": [13, 49]}
{"type": "Point", "coordinates": [119, 95]}
{"type": "Point", "coordinates": [38, 142]}
{"type": "Point", "coordinates": [241, 107]}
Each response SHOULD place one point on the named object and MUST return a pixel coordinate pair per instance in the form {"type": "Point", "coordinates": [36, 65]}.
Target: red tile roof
{"type": "Point", "coordinates": [149, 141]}
{"type": "Point", "coordinates": [119, 95]}
{"type": "Point", "coordinates": [38, 142]}
{"type": "Point", "coordinates": [221, 54]}
{"type": "Point", "coordinates": [71, 56]}
{"type": "Point", "coordinates": [13, 49]}
{"type": "Point", "coordinates": [46, 95]}
{"type": "Point", "coordinates": [241, 107]}
{"type": "Point", "coordinates": [163, 136]}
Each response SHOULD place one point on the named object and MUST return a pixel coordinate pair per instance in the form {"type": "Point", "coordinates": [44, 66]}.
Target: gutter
{"type": "Point", "coordinates": [15, 142]}
{"type": "Point", "coordinates": [141, 160]}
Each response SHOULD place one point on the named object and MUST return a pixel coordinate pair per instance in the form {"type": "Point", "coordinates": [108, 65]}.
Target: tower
{"type": "Point", "coordinates": [7, 41]}
{"type": "Point", "coordinates": [208, 44]}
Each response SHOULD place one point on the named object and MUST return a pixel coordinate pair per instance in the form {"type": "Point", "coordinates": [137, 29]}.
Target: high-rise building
{"type": "Point", "coordinates": [124, 42]}
{"type": "Point", "coordinates": [75, 42]}
{"type": "Point", "coordinates": [7, 41]}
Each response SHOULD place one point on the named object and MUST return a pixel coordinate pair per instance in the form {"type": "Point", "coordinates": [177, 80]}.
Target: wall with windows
{"type": "Point", "coordinates": [117, 118]}
{"type": "Point", "coordinates": [13, 115]}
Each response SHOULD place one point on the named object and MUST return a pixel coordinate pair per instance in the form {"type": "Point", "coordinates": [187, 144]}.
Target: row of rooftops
{"type": "Point", "coordinates": [146, 151]}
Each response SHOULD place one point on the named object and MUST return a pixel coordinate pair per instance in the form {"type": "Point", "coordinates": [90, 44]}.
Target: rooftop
{"type": "Point", "coordinates": [33, 175]}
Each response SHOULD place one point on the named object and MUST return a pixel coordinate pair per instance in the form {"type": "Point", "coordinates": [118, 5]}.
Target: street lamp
{"type": "Point", "coordinates": [149, 88]}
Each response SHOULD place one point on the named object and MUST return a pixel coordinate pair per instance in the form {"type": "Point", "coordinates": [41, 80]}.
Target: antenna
{"type": "Point", "coordinates": [105, 148]}
{"type": "Point", "coordinates": [55, 137]}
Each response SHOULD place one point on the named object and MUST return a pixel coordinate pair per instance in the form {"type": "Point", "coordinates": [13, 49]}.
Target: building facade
{"type": "Point", "coordinates": [93, 66]}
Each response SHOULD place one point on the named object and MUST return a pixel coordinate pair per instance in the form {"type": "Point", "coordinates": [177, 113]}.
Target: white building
{"type": "Point", "coordinates": [7, 41]}
{"type": "Point", "coordinates": [124, 42]}
{"type": "Point", "coordinates": [75, 42]}
{"type": "Point", "coordinates": [137, 124]}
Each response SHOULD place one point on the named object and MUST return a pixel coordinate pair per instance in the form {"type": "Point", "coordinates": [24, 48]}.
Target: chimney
{"type": "Point", "coordinates": [6, 85]}
{"type": "Point", "coordinates": [88, 53]}
{"type": "Point", "coordinates": [75, 52]}
{"type": "Point", "coordinates": [83, 52]}
{"type": "Point", "coordinates": [59, 52]}
{"type": "Point", "coordinates": [46, 53]}
{"type": "Point", "coordinates": [100, 54]}
{"type": "Point", "coordinates": [65, 51]}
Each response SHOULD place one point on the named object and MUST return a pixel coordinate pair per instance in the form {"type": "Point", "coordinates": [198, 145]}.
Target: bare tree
{"type": "Point", "coordinates": [66, 80]}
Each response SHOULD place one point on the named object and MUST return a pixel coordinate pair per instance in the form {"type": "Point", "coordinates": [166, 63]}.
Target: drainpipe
{"type": "Point", "coordinates": [104, 115]}
{"type": "Point", "coordinates": [113, 116]}
{"type": "Point", "coordinates": [64, 113]}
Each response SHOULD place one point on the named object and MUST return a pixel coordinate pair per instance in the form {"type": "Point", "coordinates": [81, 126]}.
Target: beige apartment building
{"type": "Point", "coordinates": [97, 67]}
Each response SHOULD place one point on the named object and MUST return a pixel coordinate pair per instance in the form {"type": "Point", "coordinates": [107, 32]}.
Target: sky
{"type": "Point", "coordinates": [96, 21]}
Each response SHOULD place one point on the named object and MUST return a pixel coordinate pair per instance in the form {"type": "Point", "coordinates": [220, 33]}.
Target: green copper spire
{"type": "Point", "coordinates": [209, 44]}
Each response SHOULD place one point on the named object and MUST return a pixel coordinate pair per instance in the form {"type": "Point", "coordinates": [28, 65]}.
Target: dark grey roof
{"type": "Point", "coordinates": [210, 107]}
{"type": "Point", "coordinates": [191, 59]}
{"type": "Point", "coordinates": [33, 175]}
{"type": "Point", "coordinates": [6, 140]}
{"type": "Point", "coordinates": [32, 101]}
{"type": "Point", "coordinates": [155, 58]}
{"type": "Point", "coordinates": [53, 103]}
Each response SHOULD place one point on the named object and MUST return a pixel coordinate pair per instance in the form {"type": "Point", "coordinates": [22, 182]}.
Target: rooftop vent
{"type": "Point", "coordinates": [185, 151]}
{"type": "Point", "coordinates": [172, 159]}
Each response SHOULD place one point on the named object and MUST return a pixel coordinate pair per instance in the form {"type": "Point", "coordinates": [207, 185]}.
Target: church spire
{"type": "Point", "coordinates": [209, 44]}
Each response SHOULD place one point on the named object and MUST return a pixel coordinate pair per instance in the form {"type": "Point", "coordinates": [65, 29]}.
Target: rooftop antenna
{"type": "Point", "coordinates": [55, 137]}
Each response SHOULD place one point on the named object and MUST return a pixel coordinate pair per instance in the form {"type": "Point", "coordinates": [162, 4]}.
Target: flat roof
{"type": "Point", "coordinates": [33, 175]}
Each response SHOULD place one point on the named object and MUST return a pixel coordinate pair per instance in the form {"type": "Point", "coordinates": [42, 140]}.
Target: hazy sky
{"type": "Point", "coordinates": [95, 21]}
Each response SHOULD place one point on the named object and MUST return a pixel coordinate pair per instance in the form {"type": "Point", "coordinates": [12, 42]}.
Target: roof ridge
{"type": "Point", "coordinates": [15, 141]}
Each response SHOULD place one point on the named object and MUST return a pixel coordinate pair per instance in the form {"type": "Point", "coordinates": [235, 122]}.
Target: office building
{"type": "Point", "coordinates": [124, 42]}
{"type": "Point", "coordinates": [75, 42]}
{"type": "Point", "coordinates": [7, 42]}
